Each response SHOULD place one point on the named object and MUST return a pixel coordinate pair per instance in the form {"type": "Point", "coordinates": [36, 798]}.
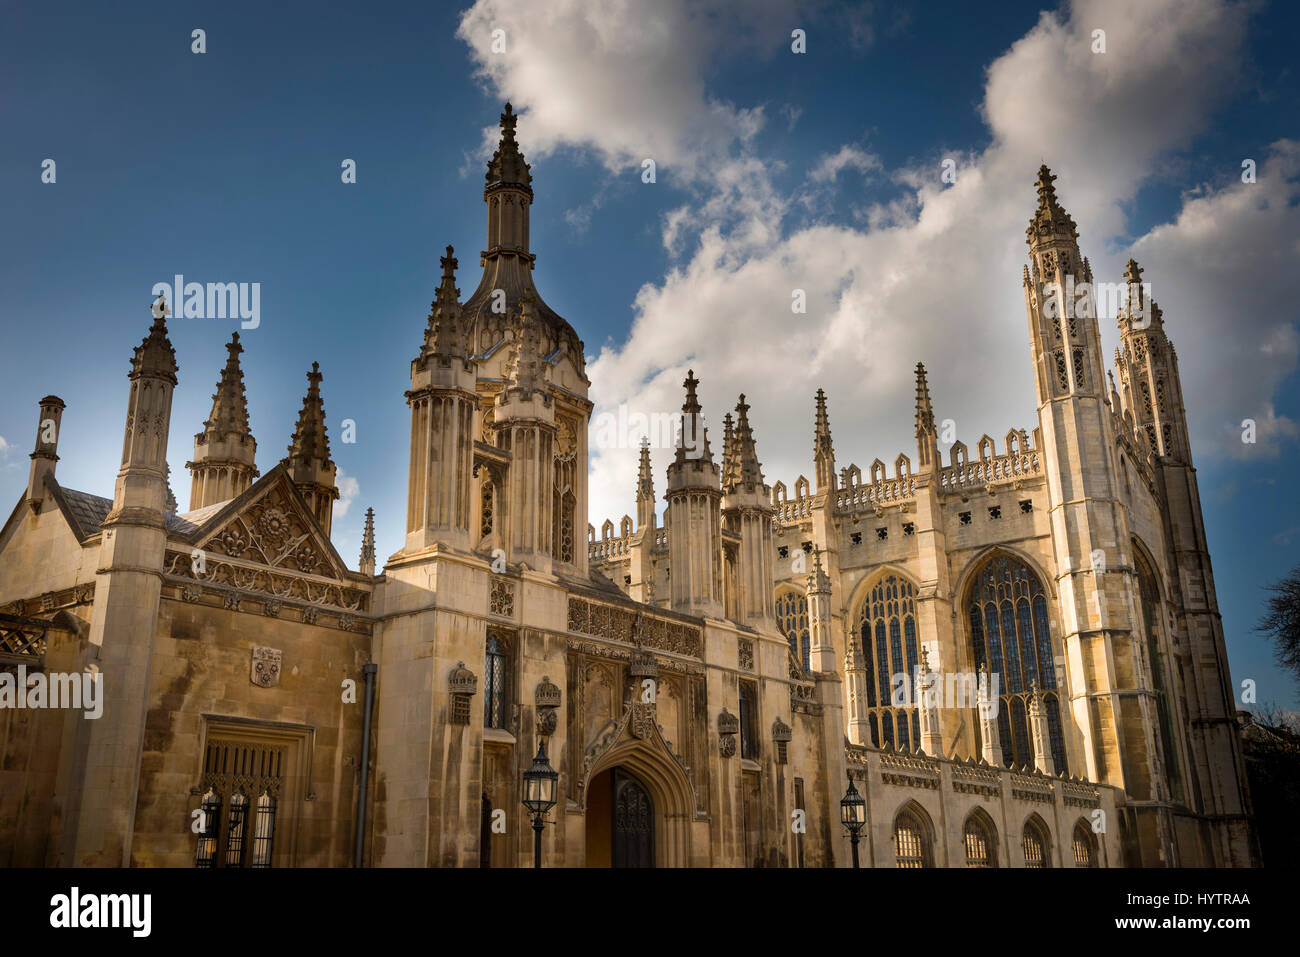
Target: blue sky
{"type": "Point", "coordinates": [774, 171]}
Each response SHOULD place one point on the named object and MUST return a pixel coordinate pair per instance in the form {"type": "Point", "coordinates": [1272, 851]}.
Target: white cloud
{"type": "Point", "coordinates": [348, 489]}
{"type": "Point", "coordinates": [931, 275]}
{"type": "Point", "coordinates": [1225, 277]}
{"type": "Point", "coordinates": [847, 157]}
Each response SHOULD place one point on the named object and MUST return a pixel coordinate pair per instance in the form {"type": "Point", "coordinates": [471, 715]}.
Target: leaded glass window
{"type": "Point", "coordinates": [912, 840]}
{"type": "Point", "coordinates": [792, 619]}
{"type": "Point", "coordinates": [1006, 611]}
{"type": "Point", "coordinates": [890, 649]}
{"type": "Point", "coordinates": [1084, 847]}
{"type": "Point", "coordinates": [978, 838]}
{"type": "Point", "coordinates": [496, 683]}
{"type": "Point", "coordinates": [1035, 844]}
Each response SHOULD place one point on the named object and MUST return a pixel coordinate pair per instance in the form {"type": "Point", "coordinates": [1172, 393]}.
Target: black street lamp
{"type": "Point", "coordinates": [539, 796]}
{"type": "Point", "coordinates": [853, 814]}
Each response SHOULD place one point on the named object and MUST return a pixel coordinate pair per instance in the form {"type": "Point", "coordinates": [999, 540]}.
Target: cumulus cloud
{"type": "Point", "coordinates": [348, 489]}
{"type": "Point", "coordinates": [1225, 278]}
{"type": "Point", "coordinates": [932, 274]}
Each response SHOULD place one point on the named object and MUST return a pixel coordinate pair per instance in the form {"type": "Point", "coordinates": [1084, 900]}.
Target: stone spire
{"type": "Point", "coordinates": [507, 166]}
{"type": "Point", "coordinates": [729, 472]}
{"type": "Point", "coordinates": [229, 403]}
{"type": "Point", "coordinates": [310, 442]}
{"type": "Point", "coordinates": [490, 311]}
{"type": "Point", "coordinates": [748, 471]}
{"type": "Point", "coordinates": [694, 514]}
{"type": "Point", "coordinates": [309, 463]}
{"type": "Point", "coordinates": [645, 488]}
{"type": "Point", "coordinates": [446, 333]}
{"type": "Point", "coordinates": [927, 439]}
{"type": "Point", "coordinates": [367, 564]}
{"type": "Point", "coordinates": [1050, 219]}
{"type": "Point", "coordinates": [693, 439]}
{"type": "Point", "coordinates": [924, 411]}
{"type": "Point", "coordinates": [823, 450]}
{"type": "Point", "coordinates": [155, 355]}
{"type": "Point", "coordinates": [1148, 371]}
{"type": "Point", "coordinates": [225, 451]}
{"type": "Point", "coordinates": [141, 489]}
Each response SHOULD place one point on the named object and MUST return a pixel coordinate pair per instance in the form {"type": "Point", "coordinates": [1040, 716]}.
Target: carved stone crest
{"type": "Point", "coordinates": [642, 722]}
{"type": "Point", "coordinates": [265, 669]}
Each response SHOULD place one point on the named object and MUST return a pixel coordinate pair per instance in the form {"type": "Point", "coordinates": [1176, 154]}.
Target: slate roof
{"type": "Point", "coordinates": [89, 511]}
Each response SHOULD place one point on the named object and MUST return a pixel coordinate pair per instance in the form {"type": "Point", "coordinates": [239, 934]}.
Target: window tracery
{"type": "Point", "coordinates": [887, 626]}
{"type": "Point", "coordinates": [1006, 609]}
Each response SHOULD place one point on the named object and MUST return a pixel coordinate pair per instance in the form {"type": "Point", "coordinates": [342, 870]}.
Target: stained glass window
{"type": "Point", "coordinates": [1006, 607]}
{"type": "Point", "coordinates": [890, 642]}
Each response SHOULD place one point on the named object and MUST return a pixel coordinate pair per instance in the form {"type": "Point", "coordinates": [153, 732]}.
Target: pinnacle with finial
{"type": "Point", "coordinates": [155, 355]}
{"type": "Point", "coordinates": [368, 543]}
{"type": "Point", "coordinates": [310, 440]}
{"type": "Point", "coordinates": [229, 403]}
{"type": "Point", "coordinates": [924, 410]}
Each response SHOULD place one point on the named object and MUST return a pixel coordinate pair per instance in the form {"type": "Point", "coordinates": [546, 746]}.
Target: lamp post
{"type": "Point", "coordinates": [539, 796]}
{"type": "Point", "coordinates": [853, 814]}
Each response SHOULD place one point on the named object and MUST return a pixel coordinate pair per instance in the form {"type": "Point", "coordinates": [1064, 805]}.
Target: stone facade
{"type": "Point", "coordinates": [705, 690]}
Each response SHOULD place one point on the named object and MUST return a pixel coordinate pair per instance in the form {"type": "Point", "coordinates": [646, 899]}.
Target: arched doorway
{"type": "Point", "coordinates": [620, 821]}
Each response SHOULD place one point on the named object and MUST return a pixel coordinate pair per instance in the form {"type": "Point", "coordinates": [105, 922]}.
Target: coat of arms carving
{"type": "Point", "coordinates": [642, 721]}
{"type": "Point", "coordinates": [265, 666]}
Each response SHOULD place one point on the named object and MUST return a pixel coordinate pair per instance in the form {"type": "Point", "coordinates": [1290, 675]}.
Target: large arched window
{"type": "Point", "coordinates": [912, 845]}
{"type": "Point", "coordinates": [792, 618]}
{"type": "Point", "coordinates": [978, 837]}
{"type": "Point", "coordinates": [887, 626]}
{"type": "Point", "coordinates": [1150, 597]}
{"type": "Point", "coordinates": [1035, 843]}
{"type": "Point", "coordinates": [1006, 612]}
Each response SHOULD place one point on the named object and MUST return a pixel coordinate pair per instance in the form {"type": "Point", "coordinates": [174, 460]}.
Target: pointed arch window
{"type": "Point", "coordinates": [977, 835]}
{"type": "Point", "coordinates": [792, 619]}
{"type": "Point", "coordinates": [887, 628]}
{"type": "Point", "coordinates": [1035, 844]}
{"type": "Point", "coordinates": [1085, 846]}
{"type": "Point", "coordinates": [1006, 613]}
{"type": "Point", "coordinates": [1149, 595]}
{"type": "Point", "coordinates": [912, 844]}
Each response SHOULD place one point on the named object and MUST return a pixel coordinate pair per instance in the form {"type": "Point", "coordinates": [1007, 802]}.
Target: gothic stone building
{"type": "Point", "coordinates": [706, 688]}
